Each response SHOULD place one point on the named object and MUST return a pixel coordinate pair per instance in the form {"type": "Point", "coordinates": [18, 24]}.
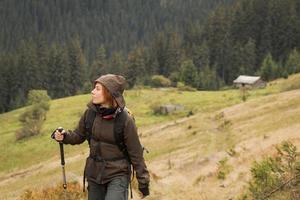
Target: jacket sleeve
{"type": "Point", "coordinates": [135, 152]}
{"type": "Point", "coordinates": [77, 136]}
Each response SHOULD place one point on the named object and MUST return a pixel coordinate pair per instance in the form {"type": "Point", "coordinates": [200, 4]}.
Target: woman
{"type": "Point", "coordinates": [108, 168]}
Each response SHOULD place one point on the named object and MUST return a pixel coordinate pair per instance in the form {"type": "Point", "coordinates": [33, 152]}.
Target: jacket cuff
{"type": "Point", "coordinates": [65, 139]}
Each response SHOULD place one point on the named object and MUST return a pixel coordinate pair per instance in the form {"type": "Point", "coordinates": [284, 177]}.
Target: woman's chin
{"type": "Point", "coordinates": [96, 102]}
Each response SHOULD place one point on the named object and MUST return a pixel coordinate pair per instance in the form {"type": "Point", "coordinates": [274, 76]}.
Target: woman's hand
{"type": "Point", "coordinates": [59, 134]}
{"type": "Point", "coordinates": [141, 195]}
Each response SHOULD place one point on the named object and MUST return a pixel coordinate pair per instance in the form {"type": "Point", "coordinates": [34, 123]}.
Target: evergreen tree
{"type": "Point", "coordinates": [59, 72]}
{"type": "Point", "coordinates": [249, 57]}
{"type": "Point", "coordinates": [4, 95]}
{"type": "Point", "coordinates": [97, 22]}
{"type": "Point", "coordinates": [117, 64]}
{"type": "Point", "coordinates": [192, 38]}
{"type": "Point", "coordinates": [167, 51]}
{"type": "Point", "coordinates": [159, 51]}
{"type": "Point", "coordinates": [283, 27]}
{"type": "Point", "coordinates": [208, 79]}
{"type": "Point", "coordinates": [269, 68]}
{"type": "Point", "coordinates": [200, 55]}
{"type": "Point", "coordinates": [173, 53]}
{"type": "Point", "coordinates": [151, 63]}
{"type": "Point", "coordinates": [219, 41]}
{"type": "Point", "coordinates": [293, 62]}
{"type": "Point", "coordinates": [28, 66]}
{"type": "Point", "coordinates": [76, 61]}
{"type": "Point", "coordinates": [135, 73]}
{"type": "Point", "coordinates": [233, 40]}
{"type": "Point", "coordinates": [188, 73]}
{"type": "Point", "coordinates": [99, 66]}
{"type": "Point", "coordinates": [245, 58]}
{"type": "Point", "coordinates": [15, 86]}
{"type": "Point", "coordinates": [42, 62]}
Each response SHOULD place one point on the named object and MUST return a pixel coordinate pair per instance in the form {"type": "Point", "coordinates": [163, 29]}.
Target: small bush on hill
{"type": "Point", "coordinates": [276, 177]}
{"type": "Point", "coordinates": [155, 107]}
{"type": "Point", "coordinates": [223, 169]}
{"type": "Point", "coordinates": [160, 81]}
{"type": "Point", "coordinates": [32, 120]}
{"type": "Point", "coordinates": [182, 87]}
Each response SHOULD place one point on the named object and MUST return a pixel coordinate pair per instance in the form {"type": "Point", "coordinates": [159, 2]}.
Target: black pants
{"type": "Point", "coordinates": [117, 189]}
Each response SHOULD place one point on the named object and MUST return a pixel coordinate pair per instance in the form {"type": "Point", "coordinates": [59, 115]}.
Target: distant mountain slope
{"type": "Point", "coordinates": [116, 24]}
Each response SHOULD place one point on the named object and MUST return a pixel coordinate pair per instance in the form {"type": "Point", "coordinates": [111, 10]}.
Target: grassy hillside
{"type": "Point", "coordinates": [186, 162]}
{"type": "Point", "coordinates": [66, 112]}
{"type": "Point", "coordinates": [190, 147]}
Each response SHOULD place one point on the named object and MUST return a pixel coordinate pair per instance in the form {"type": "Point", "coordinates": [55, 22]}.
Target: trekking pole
{"type": "Point", "coordinates": [62, 158]}
{"type": "Point", "coordinates": [62, 161]}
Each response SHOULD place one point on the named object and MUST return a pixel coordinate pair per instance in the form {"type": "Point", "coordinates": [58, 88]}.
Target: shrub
{"type": "Point", "coordinates": [182, 87]}
{"type": "Point", "coordinates": [279, 174]}
{"type": "Point", "coordinates": [37, 96]}
{"type": "Point", "coordinates": [32, 122]}
{"type": "Point", "coordinates": [160, 81]}
{"type": "Point", "coordinates": [155, 107]}
{"type": "Point", "coordinates": [223, 169]}
{"type": "Point", "coordinates": [74, 192]}
{"type": "Point", "coordinates": [32, 119]}
{"type": "Point", "coordinates": [266, 175]}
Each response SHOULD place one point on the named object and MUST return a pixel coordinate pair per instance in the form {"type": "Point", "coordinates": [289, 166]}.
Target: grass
{"type": "Point", "coordinates": [205, 140]}
{"type": "Point", "coordinates": [66, 112]}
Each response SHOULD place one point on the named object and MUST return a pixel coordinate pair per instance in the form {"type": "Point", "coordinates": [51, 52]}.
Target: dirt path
{"type": "Point", "coordinates": [52, 164]}
{"type": "Point", "coordinates": [36, 169]}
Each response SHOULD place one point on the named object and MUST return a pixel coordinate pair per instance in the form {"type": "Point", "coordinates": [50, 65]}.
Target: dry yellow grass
{"type": "Point", "coordinates": [189, 171]}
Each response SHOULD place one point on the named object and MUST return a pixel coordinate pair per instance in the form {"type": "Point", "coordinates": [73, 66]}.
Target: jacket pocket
{"type": "Point", "coordinates": [94, 170]}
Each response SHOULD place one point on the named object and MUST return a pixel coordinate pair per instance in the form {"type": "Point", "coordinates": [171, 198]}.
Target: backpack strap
{"type": "Point", "coordinates": [89, 122]}
{"type": "Point", "coordinates": [120, 141]}
{"type": "Point", "coordinates": [119, 133]}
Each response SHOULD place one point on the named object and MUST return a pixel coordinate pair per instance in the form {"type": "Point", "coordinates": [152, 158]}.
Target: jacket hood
{"type": "Point", "coordinates": [115, 84]}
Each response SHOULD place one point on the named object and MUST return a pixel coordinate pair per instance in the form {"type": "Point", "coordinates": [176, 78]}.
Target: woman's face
{"type": "Point", "coordinates": [97, 94]}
